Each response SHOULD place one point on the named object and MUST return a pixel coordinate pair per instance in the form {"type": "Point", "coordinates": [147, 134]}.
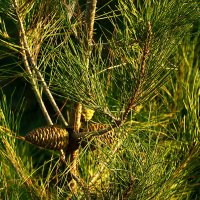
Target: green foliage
{"type": "Point", "coordinates": [103, 88]}
{"type": "Point", "coordinates": [148, 57]}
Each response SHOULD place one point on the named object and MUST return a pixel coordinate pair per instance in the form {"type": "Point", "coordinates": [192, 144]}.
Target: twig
{"type": "Point", "coordinates": [82, 185]}
{"type": "Point", "coordinates": [35, 67]}
{"type": "Point", "coordinates": [77, 117]}
{"type": "Point", "coordinates": [74, 157]}
{"type": "Point", "coordinates": [34, 85]}
{"type": "Point", "coordinates": [90, 16]}
{"type": "Point", "coordinates": [146, 49]}
{"type": "Point", "coordinates": [137, 92]}
{"type": "Point", "coordinates": [89, 28]}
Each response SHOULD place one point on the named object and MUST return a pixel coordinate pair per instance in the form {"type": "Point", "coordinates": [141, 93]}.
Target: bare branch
{"type": "Point", "coordinates": [89, 29]}
{"type": "Point", "coordinates": [90, 16]}
{"type": "Point", "coordinates": [34, 85]}
{"type": "Point", "coordinates": [35, 67]}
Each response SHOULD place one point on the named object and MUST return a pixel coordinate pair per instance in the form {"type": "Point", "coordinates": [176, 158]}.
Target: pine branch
{"type": "Point", "coordinates": [34, 65]}
{"type": "Point", "coordinates": [74, 157]}
{"type": "Point", "coordinates": [136, 94]}
{"type": "Point", "coordinates": [90, 17]}
{"type": "Point", "coordinates": [138, 91]}
{"type": "Point", "coordinates": [34, 85]}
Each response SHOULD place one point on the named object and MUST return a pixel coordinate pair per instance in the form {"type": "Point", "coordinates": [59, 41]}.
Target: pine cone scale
{"type": "Point", "coordinates": [50, 137]}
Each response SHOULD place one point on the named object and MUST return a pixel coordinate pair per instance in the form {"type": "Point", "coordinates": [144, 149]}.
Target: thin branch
{"type": "Point", "coordinates": [82, 185]}
{"type": "Point", "coordinates": [138, 91]}
{"type": "Point", "coordinates": [130, 188]}
{"type": "Point", "coordinates": [90, 17]}
{"type": "Point", "coordinates": [34, 85]}
{"type": "Point", "coordinates": [174, 67]}
{"type": "Point", "coordinates": [74, 157]}
{"type": "Point", "coordinates": [35, 67]}
{"type": "Point", "coordinates": [89, 28]}
{"type": "Point", "coordinates": [77, 117]}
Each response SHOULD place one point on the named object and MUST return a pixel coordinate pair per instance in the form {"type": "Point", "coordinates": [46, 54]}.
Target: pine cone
{"type": "Point", "coordinates": [107, 138]}
{"type": "Point", "coordinates": [50, 137]}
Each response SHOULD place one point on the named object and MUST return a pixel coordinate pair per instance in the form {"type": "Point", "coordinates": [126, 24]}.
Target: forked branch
{"type": "Point", "coordinates": [34, 66]}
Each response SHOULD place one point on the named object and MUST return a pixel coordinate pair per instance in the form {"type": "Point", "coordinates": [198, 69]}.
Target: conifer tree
{"type": "Point", "coordinates": [101, 62]}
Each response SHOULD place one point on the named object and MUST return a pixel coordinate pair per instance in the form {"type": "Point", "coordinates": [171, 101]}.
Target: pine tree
{"type": "Point", "coordinates": [103, 62]}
